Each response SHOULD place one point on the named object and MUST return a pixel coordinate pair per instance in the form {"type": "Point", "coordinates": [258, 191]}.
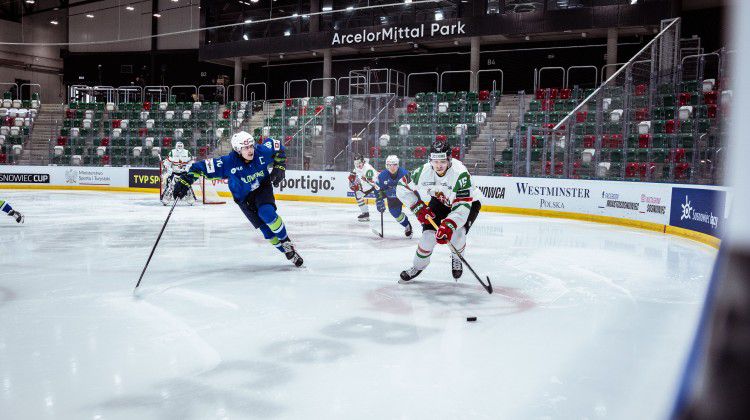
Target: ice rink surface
{"type": "Point", "coordinates": [590, 321]}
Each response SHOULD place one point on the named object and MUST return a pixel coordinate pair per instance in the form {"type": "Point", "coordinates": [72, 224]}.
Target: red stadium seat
{"type": "Point", "coordinates": [116, 123]}
{"type": "Point", "coordinates": [226, 114]}
{"type": "Point", "coordinates": [631, 170]}
{"type": "Point", "coordinates": [709, 98]}
{"type": "Point", "coordinates": [143, 132]}
{"type": "Point", "coordinates": [70, 113]}
{"type": "Point", "coordinates": [62, 141]}
{"type": "Point", "coordinates": [644, 140]}
{"type": "Point", "coordinates": [105, 160]}
{"type": "Point", "coordinates": [589, 141]}
{"type": "Point", "coordinates": [684, 98]}
{"type": "Point", "coordinates": [166, 142]}
{"type": "Point", "coordinates": [581, 116]}
{"type": "Point", "coordinates": [484, 95]}
{"type": "Point", "coordinates": [681, 170]}
{"type": "Point", "coordinates": [456, 152]}
{"type": "Point", "coordinates": [203, 151]}
{"type": "Point", "coordinates": [646, 169]}
{"type": "Point", "coordinates": [288, 140]}
{"type": "Point", "coordinates": [411, 108]}
{"type": "Point", "coordinates": [374, 151]}
{"type": "Point", "coordinates": [552, 93]}
{"type": "Point", "coordinates": [147, 106]}
{"type": "Point", "coordinates": [302, 111]}
{"type": "Point", "coordinates": [641, 114]}
{"type": "Point", "coordinates": [104, 142]}
{"type": "Point", "coordinates": [289, 102]}
{"type": "Point", "coordinates": [441, 137]}
{"type": "Point", "coordinates": [319, 109]}
{"type": "Point", "coordinates": [3, 158]}
{"type": "Point", "coordinates": [669, 126]}
{"type": "Point", "coordinates": [640, 90]}
{"type": "Point", "coordinates": [540, 94]}
{"type": "Point", "coordinates": [711, 111]}
{"type": "Point", "coordinates": [565, 93]}
{"type": "Point", "coordinates": [612, 141]}
{"type": "Point", "coordinates": [420, 152]}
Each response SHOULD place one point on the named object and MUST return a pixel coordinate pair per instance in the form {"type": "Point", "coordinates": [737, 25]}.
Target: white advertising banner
{"type": "Point", "coordinates": [64, 175]}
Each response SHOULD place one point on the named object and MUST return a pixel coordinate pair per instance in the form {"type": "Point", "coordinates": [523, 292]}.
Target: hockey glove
{"type": "Point", "coordinates": [380, 204]}
{"type": "Point", "coordinates": [278, 174]}
{"type": "Point", "coordinates": [16, 215]}
{"type": "Point", "coordinates": [422, 212]}
{"type": "Point", "coordinates": [182, 185]}
{"type": "Point", "coordinates": [445, 231]}
{"type": "Point", "coordinates": [353, 184]}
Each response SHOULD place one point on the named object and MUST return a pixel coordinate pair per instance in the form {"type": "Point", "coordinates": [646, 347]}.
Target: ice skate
{"type": "Point", "coordinates": [408, 275]}
{"type": "Point", "coordinates": [456, 266]}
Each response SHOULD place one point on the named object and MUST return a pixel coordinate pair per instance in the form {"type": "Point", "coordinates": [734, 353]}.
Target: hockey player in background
{"type": "Point", "coordinates": [387, 182]}
{"type": "Point", "coordinates": [362, 182]}
{"type": "Point", "coordinates": [246, 168]}
{"type": "Point", "coordinates": [454, 205]}
{"type": "Point", "coordinates": [176, 164]}
{"type": "Point", "coordinates": [6, 208]}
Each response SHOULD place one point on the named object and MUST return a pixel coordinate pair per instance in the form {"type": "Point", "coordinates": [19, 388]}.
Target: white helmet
{"type": "Point", "coordinates": [179, 145]}
{"type": "Point", "coordinates": [391, 160]}
{"type": "Point", "coordinates": [242, 139]}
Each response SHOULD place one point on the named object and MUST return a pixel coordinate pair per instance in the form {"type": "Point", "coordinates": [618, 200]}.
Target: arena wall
{"type": "Point", "coordinates": [693, 211]}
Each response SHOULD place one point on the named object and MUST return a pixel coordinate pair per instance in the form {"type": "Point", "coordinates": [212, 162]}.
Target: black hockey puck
{"type": "Point", "coordinates": [471, 318]}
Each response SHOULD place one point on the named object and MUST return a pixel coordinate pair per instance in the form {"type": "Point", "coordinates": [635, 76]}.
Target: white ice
{"type": "Point", "coordinates": [590, 321]}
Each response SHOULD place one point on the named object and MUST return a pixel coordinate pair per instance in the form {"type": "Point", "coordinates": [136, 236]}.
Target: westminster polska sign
{"type": "Point", "coordinates": [399, 33]}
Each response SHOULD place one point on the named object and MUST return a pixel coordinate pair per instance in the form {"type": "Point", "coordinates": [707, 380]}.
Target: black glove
{"type": "Point", "coordinates": [182, 185]}
{"type": "Point", "coordinates": [278, 174]}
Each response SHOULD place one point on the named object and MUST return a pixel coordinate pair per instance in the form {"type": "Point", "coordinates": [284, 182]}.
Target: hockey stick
{"type": "Point", "coordinates": [155, 244]}
{"type": "Point", "coordinates": [381, 226]}
{"type": "Point", "coordinates": [488, 286]}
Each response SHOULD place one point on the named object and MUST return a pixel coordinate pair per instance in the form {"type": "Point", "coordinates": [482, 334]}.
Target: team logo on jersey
{"type": "Point", "coordinates": [443, 199]}
{"type": "Point", "coordinates": [210, 166]}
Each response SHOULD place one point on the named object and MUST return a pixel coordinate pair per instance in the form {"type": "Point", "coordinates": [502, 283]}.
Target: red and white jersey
{"type": "Point", "coordinates": [178, 160]}
{"type": "Point", "coordinates": [454, 189]}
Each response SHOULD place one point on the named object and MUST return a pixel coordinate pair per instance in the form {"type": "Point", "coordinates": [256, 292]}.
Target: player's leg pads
{"type": "Point", "coordinates": [395, 208]}
{"type": "Point", "coordinates": [360, 197]}
{"type": "Point", "coordinates": [424, 251]}
{"type": "Point", "coordinates": [268, 214]}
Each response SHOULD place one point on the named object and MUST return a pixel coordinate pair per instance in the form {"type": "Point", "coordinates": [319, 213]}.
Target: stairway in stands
{"type": "Point", "coordinates": [499, 126]}
{"type": "Point", "coordinates": [46, 127]}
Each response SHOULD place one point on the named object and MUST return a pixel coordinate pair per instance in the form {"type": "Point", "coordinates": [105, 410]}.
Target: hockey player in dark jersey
{"type": "Point", "coordinates": [250, 181]}
{"type": "Point", "coordinates": [387, 182]}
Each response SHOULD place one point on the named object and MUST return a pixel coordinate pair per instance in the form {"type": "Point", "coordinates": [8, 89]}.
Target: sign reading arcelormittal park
{"type": "Point", "coordinates": [398, 33]}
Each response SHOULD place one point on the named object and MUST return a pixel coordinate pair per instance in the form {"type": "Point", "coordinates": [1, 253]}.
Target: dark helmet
{"type": "Point", "coordinates": [440, 150]}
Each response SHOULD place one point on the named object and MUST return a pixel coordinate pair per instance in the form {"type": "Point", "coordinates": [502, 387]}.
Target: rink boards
{"type": "Point", "coordinates": [696, 212]}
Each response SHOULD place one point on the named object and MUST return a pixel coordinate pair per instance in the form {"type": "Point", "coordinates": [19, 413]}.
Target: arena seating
{"type": "Point", "coordinates": [657, 136]}
{"type": "Point", "coordinates": [139, 134]}
{"type": "Point", "coordinates": [16, 124]}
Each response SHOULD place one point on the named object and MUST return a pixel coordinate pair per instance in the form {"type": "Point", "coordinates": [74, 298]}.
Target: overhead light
{"type": "Point", "coordinates": [295, 14]}
{"type": "Point", "coordinates": [438, 15]}
{"type": "Point", "coordinates": [315, 53]}
{"type": "Point", "coordinates": [327, 8]}
{"type": "Point", "coordinates": [54, 22]}
{"type": "Point", "coordinates": [287, 32]}
{"type": "Point", "coordinates": [248, 21]}
{"type": "Point", "coordinates": [584, 34]}
{"type": "Point", "coordinates": [244, 36]}
{"type": "Point", "coordinates": [633, 1]}
{"type": "Point", "coordinates": [372, 49]}
{"type": "Point", "coordinates": [89, 15]}
{"type": "Point", "coordinates": [30, 1]}
{"type": "Point", "coordinates": [253, 1]}
{"type": "Point", "coordinates": [407, 1]}
{"type": "Point", "coordinates": [527, 37]}
{"type": "Point", "coordinates": [157, 15]}
{"type": "Point", "coordinates": [349, 7]}
{"type": "Point", "coordinates": [281, 55]}
{"type": "Point", "coordinates": [455, 42]}
{"type": "Point", "coordinates": [175, 1]}
{"type": "Point", "coordinates": [129, 8]}
{"type": "Point", "coordinates": [416, 45]}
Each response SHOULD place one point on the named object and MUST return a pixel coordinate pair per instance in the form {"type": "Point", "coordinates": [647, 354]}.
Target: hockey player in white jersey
{"type": "Point", "coordinates": [454, 206]}
{"type": "Point", "coordinates": [176, 163]}
{"type": "Point", "coordinates": [362, 182]}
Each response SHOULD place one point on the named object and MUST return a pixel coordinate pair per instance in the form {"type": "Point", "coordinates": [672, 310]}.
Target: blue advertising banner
{"type": "Point", "coordinates": [701, 210]}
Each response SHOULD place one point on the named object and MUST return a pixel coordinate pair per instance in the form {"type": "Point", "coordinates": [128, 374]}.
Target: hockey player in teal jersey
{"type": "Point", "coordinates": [246, 169]}
{"type": "Point", "coordinates": [6, 208]}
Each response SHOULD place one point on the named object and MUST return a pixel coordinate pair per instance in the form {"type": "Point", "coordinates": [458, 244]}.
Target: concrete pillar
{"type": "Point", "coordinates": [327, 71]}
{"type": "Point", "coordinates": [611, 51]}
{"type": "Point", "coordinates": [474, 63]}
{"type": "Point", "coordinates": [238, 79]}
